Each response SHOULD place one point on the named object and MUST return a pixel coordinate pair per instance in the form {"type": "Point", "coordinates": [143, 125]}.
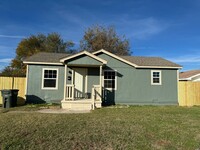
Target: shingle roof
{"type": "Point", "coordinates": [139, 61]}
{"type": "Point", "coordinates": [188, 74]}
{"type": "Point", "coordinates": [150, 61]}
{"type": "Point", "coordinates": [47, 57]}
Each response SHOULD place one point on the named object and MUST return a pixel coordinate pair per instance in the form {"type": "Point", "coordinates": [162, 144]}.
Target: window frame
{"type": "Point", "coordinates": [50, 88]}
{"type": "Point", "coordinates": [110, 79]}
{"type": "Point", "coordinates": [160, 77]}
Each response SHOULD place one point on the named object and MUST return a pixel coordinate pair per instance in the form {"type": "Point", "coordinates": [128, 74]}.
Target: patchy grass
{"type": "Point", "coordinates": [31, 107]}
{"type": "Point", "coordinates": [138, 127]}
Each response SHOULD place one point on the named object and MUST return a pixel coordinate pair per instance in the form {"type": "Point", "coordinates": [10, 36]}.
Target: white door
{"type": "Point", "coordinates": [80, 82]}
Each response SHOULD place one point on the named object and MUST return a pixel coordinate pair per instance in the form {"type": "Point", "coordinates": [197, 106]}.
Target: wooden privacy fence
{"type": "Point", "coordinates": [189, 93]}
{"type": "Point", "coordinates": [14, 83]}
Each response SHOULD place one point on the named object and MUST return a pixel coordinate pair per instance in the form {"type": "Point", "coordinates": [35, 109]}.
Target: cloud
{"type": "Point", "coordinates": [6, 51]}
{"type": "Point", "coordinates": [141, 28]}
{"type": "Point", "coordinates": [1, 67]}
{"type": "Point", "coordinates": [76, 15]}
{"type": "Point", "coordinates": [127, 24]}
{"type": "Point", "coordinates": [186, 59]}
{"type": "Point", "coordinates": [11, 36]}
{"type": "Point", "coordinates": [189, 62]}
{"type": "Point", "coordinates": [5, 48]}
{"type": "Point", "coordinates": [5, 60]}
{"type": "Point", "coordinates": [148, 27]}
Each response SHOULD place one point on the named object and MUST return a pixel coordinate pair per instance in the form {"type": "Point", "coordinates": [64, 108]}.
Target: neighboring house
{"type": "Point", "coordinates": [87, 80]}
{"type": "Point", "coordinates": [192, 75]}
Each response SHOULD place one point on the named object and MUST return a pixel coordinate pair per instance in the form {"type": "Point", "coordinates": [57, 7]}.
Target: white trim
{"type": "Point", "coordinates": [115, 56]}
{"type": "Point", "coordinates": [100, 81]}
{"type": "Point", "coordinates": [86, 53]}
{"type": "Point", "coordinates": [184, 79]}
{"type": "Point", "coordinates": [45, 63]}
{"type": "Point", "coordinates": [26, 88]}
{"type": "Point", "coordinates": [177, 82]}
{"type": "Point", "coordinates": [189, 78]}
{"type": "Point", "coordinates": [159, 67]}
{"type": "Point", "coordinates": [65, 81]}
{"type": "Point", "coordinates": [195, 75]}
{"type": "Point", "coordinates": [160, 77]}
{"type": "Point", "coordinates": [43, 88]}
{"type": "Point", "coordinates": [115, 79]}
{"type": "Point", "coordinates": [196, 80]}
{"type": "Point", "coordinates": [132, 64]}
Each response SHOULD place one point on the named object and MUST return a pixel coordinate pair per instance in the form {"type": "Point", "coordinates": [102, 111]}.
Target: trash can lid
{"type": "Point", "coordinates": [5, 92]}
{"type": "Point", "coordinates": [14, 90]}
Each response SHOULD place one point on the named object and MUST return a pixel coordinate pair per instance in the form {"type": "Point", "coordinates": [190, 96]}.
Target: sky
{"type": "Point", "coordinates": [163, 28]}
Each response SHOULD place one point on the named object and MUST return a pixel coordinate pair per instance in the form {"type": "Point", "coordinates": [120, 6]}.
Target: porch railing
{"type": "Point", "coordinates": [69, 92]}
{"type": "Point", "coordinates": [96, 93]}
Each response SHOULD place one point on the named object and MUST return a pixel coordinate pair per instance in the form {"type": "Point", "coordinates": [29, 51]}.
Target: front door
{"type": "Point", "coordinates": [108, 97]}
{"type": "Point", "coordinates": [80, 82]}
{"type": "Point", "coordinates": [109, 84]}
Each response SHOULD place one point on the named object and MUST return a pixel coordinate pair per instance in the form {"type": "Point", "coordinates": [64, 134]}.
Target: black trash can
{"type": "Point", "coordinates": [9, 98]}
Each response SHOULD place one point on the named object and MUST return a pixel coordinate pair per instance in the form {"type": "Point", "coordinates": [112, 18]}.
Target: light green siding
{"type": "Point", "coordinates": [35, 93]}
{"type": "Point", "coordinates": [83, 60]}
{"type": "Point", "coordinates": [93, 78]}
{"type": "Point", "coordinates": [134, 85]}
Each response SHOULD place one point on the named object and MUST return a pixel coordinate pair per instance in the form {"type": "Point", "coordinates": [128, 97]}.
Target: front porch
{"type": "Point", "coordinates": [83, 81]}
{"type": "Point", "coordinates": [75, 100]}
{"type": "Point", "coordinates": [84, 104]}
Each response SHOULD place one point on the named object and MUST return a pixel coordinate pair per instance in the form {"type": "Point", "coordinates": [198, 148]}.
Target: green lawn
{"type": "Point", "coordinates": [145, 127]}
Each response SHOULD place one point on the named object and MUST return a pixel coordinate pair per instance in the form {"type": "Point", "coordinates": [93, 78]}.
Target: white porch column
{"type": "Point", "coordinates": [72, 82]}
{"type": "Point", "coordinates": [100, 81]}
{"type": "Point", "coordinates": [65, 82]}
{"type": "Point", "coordinates": [26, 88]}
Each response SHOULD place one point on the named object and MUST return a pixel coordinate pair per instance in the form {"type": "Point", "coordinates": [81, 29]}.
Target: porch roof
{"type": "Point", "coordinates": [84, 59]}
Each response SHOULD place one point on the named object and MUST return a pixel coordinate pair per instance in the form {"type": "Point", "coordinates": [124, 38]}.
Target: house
{"type": "Point", "coordinates": [192, 75]}
{"type": "Point", "coordinates": [89, 80]}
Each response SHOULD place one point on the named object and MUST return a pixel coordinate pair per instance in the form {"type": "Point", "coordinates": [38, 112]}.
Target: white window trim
{"type": "Point", "coordinates": [115, 80]}
{"type": "Point", "coordinates": [160, 78]}
{"type": "Point", "coordinates": [48, 88]}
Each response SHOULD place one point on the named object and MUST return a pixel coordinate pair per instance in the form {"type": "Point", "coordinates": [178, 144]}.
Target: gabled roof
{"type": "Point", "coordinates": [188, 75]}
{"type": "Point", "coordinates": [142, 62]}
{"type": "Point", "coordinates": [84, 53]}
{"type": "Point", "coordinates": [135, 61]}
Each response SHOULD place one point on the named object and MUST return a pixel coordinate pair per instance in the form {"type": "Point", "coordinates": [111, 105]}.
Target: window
{"type": "Point", "coordinates": [110, 79]}
{"type": "Point", "coordinates": [155, 77]}
{"type": "Point", "coordinates": [50, 77]}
